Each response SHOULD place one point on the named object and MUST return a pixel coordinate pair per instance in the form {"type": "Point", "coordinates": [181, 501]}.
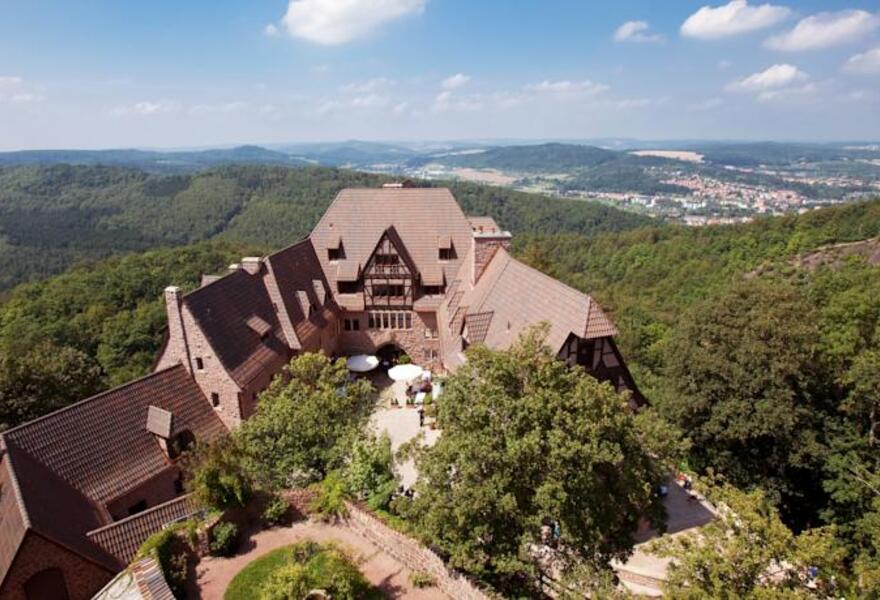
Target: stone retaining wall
{"type": "Point", "coordinates": [411, 554]}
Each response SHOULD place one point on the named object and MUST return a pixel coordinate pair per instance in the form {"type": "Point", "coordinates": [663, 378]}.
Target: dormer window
{"type": "Point", "coordinates": [445, 249]}
{"type": "Point", "coordinates": [447, 254]}
{"type": "Point", "coordinates": [335, 254]}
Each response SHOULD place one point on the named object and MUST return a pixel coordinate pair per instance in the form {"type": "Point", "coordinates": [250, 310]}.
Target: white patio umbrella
{"type": "Point", "coordinates": [361, 363]}
{"type": "Point", "coordinates": [404, 372]}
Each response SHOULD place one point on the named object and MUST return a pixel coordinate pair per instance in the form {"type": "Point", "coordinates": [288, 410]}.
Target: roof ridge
{"type": "Point", "coordinates": [496, 279]}
{"type": "Point", "coordinates": [16, 487]}
{"type": "Point", "coordinates": [79, 403]}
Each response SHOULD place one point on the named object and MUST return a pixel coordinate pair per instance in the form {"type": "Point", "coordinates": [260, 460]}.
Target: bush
{"type": "Point", "coordinates": [217, 479]}
{"type": "Point", "coordinates": [224, 538]}
{"type": "Point", "coordinates": [328, 570]}
{"type": "Point", "coordinates": [404, 359]}
{"type": "Point", "coordinates": [331, 494]}
{"type": "Point", "coordinates": [276, 511]}
{"type": "Point", "coordinates": [170, 552]}
{"type": "Point", "coordinates": [369, 474]}
{"type": "Point", "coordinates": [420, 579]}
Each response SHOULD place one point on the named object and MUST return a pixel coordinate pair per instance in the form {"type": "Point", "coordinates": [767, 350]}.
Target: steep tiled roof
{"type": "Point", "coordinates": [223, 310]}
{"type": "Point", "coordinates": [520, 296]}
{"type": "Point", "coordinates": [123, 538]}
{"type": "Point", "coordinates": [420, 216]}
{"type": "Point", "coordinates": [101, 446]}
{"type": "Point", "coordinates": [297, 269]}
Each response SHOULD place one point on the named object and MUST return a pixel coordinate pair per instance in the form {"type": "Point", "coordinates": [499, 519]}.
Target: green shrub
{"type": "Point", "coordinates": [170, 552]}
{"type": "Point", "coordinates": [276, 511]}
{"type": "Point", "coordinates": [369, 474]}
{"type": "Point", "coordinates": [329, 501]}
{"type": "Point", "coordinates": [329, 570]}
{"type": "Point", "coordinates": [217, 479]}
{"type": "Point", "coordinates": [404, 359]}
{"type": "Point", "coordinates": [224, 538]}
{"type": "Point", "coordinates": [420, 579]}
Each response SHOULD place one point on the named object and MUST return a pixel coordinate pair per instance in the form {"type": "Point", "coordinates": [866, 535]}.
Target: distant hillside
{"type": "Point", "coordinates": [152, 161]}
{"type": "Point", "coordinates": [52, 217]}
{"type": "Point", "coordinates": [554, 158]}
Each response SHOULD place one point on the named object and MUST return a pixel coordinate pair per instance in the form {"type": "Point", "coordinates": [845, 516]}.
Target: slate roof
{"type": "Point", "coordinates": [511, 296]}
{"type": "Point", "coordinates": [223, 311]}
{"type": "Point", "coordinates": [420, 216]}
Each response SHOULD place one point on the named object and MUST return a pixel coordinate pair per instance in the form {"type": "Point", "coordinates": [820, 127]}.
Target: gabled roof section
{"type": "Point", "coordinates": [101, 447]}
{"type": "Point", "coordinates": [296, 268]}
{"type": "Point", "coordinates": [224, 311]}
{"type": "Point", "coordinates": [518, 297]}
{"type": "Point", "coordinates": [419, 216]}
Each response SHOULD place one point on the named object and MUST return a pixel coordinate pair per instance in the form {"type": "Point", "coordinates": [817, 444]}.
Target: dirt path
{"type": "Point", "coordinates": [214, 574]}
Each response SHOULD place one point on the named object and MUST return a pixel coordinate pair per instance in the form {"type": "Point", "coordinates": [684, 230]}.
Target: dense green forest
{"type": "Point", "coordinates": [53, 217]}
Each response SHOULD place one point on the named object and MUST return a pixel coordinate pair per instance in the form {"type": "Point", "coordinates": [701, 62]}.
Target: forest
{"type": "Point", "coordinates": [52, 217]}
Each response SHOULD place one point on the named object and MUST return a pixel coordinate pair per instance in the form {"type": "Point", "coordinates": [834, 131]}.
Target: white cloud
{"type": "Point", "coordinates": [777, 76]}
{"type": "Point", "coordinates": [824, 30]}
{"type": "Point", "coordinates": [788, 93]}
{"type": "Point", "coordinates": [13, 89]}
{"type": "Point", "coordinates": [733, 18]}
{"type": "Point", "coordinates": [368, 85]}
{"type": "Point", "coordinates": [636, 31]}
{"type": "Point", "coordinates": [585, 87]}
{"type": "Point", "coordinates": [271, 30]}
{"type": "Point", "coordinates": [145, 109]}
{"type": "Point", "coordinates": [332, 22]}
{"type": "Point", "coordinates": [220, 108]}
{"type": "Point", "coordinates": [455, 81]}
{"type": "Point", "coordinates": [723, 65]}
{"type": "Point", "coordinates": [865, 63]}
{"type": "Point", "coordinates": [447, 101]}
{"type": "Point", "coordinates": [370, 101]}
{"type": "Point", "coordinates": [400, 108]}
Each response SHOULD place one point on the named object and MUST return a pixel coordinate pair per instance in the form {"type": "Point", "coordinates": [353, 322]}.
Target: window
{"type": "Point", "coordinates": [347, 287]}
{"type": "Point", "coordinates": [215, 399]}
{"type": "Point", "coordinates": [430, 334]}
{"type": "Point", "coordinates": [386, 260]}
{"type": "Point", "coordinates": [447, 253]}
{"type": "Point", "coordinates": [336, 253]}
{"type": "Point", "coordinates": [389, 320]}
{"type": "Point", "coordinates": [351, 324]}
{"type": "Point", "coordinates": [430, 355]}
{"type": "Point", "coordinates": [432, 290]}
{"type": "Point", "coordinates": [137, 508]}
{"type": "Point", "coordinates": [200, 364]}
{"type": "Point", "coordinates": [382, 290]}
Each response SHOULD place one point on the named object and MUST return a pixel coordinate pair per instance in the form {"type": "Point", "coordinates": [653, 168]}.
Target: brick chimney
{"type": "Point", "coordinates": [485, 245]}
{"type": "Point", "coordinates": [177, 342]}
{"type": "Point", "coordinates": [252, 264]}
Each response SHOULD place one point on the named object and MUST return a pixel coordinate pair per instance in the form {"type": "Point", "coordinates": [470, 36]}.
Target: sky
{"type": "Point", "coordinates": [172, 74]}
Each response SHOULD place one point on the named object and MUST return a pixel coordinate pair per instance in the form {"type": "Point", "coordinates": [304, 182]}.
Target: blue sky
{"type": "Point", "coordinates": [110, 73]}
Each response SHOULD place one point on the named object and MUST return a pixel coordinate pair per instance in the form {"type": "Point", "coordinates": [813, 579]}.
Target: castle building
{"type": "Point", "coordinates": [385, 271]}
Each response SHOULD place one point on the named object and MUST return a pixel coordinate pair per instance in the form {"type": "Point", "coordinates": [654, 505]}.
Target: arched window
{"type": "Point", "coordinates": [48, 584]}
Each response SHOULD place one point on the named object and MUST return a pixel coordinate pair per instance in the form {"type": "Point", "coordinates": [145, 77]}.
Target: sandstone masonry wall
{"type": "Point", "coordinates": [412, 554]}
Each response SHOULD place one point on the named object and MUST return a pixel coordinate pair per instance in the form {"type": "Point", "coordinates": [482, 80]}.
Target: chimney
{"type": "Point", "coordinates": [233, 268]}
{"type": "Point", "coordinates": [485, 245]}
{"type": "Point", "coordinates": [252, 264]}
{"type": "Point", "coordinates": [177, 341]}
{"type": "Point", "coordinates": [160, 423]}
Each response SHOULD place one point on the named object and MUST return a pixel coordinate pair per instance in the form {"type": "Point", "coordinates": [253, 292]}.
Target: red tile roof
{"type": "Point", "coordinates": [101, 445]}
{"type": "Point", "coordinates": [223, 309]}
{"type": "Point", "coordinates": [420, 216]}
{"type": "Point", "coordinates": [122, 538]}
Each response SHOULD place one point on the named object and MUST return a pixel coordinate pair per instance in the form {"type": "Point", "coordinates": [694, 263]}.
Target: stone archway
{"type": "Point", "coordinates": [389, 353]}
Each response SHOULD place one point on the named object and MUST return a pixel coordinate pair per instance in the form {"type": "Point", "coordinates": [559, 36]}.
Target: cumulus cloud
{"type": "Point", "coordinates": [455, 81]}
{"type": "Point", "coordinates": [332, 22]}
{"type": "Point", "coordinates": [788, 93]}
{"type": "Point", "coordinates": [636, 31]}
{"type": "Point", "coordinates": [585, 87]}
{"type": "Point", "coordinates": [447, 101]}
{"type": "Point", "coordinates": [867, 63]}
{"type": "Point", "coordinates": [824, 30]}
{"type": "Point", "coordinates": [775, 77]}
{"type": "Point", "coordinates": [271, 30]}
{"type": "Point", "coordinates": [734, 18]}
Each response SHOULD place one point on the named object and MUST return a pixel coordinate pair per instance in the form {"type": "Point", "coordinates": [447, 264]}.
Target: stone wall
{"type": "Point", "coordinates": [414, 341]}
{"type": "Point", "coordinates": [412, 554]}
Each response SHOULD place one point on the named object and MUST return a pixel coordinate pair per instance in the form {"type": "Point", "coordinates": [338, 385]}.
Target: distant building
{"type": "Point", "coordinates": [385, 271]}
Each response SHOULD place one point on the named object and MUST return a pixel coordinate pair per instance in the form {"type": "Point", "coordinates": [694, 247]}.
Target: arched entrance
{"type": "Point", "coordinates": [48, 584]}
{"type": "Point", "coordinates": [389, 354]}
